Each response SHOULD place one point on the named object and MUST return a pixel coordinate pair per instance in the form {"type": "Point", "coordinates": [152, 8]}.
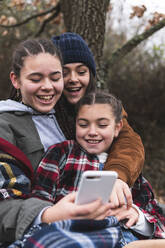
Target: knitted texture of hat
{"type": "Point", "coordinates": [74, 50]}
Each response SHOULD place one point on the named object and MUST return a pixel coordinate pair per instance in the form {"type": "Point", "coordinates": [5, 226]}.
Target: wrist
{"type": "Point", "coordinates": [52, 214]}
{"type": "Point", "coordinates": [46, 216]}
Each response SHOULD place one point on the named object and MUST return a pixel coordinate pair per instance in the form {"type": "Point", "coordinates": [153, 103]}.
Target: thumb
{"type": "Point", "coordinates": [71, 197]}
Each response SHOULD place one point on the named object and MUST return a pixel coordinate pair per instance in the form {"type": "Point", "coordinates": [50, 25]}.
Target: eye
{"type": "Point", "coordinates": [35, 80]}
{"type": "Point", "coordinates": [65, 72]}
{"type": "Point", "coordinates": [82, 124]}
{"type": "Point", "coordinates": [82, 72]}
{"type": "Point", "coordinates": [55, 79]}
{"type": "Point", "coordinates": [103, 125]}
{"type": "Point", "coordinates": [35, 77]}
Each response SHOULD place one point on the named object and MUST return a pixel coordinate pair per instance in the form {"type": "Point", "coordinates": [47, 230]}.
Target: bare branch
{"type": "Point", "coordinates": [53, 16]}
{"type": "Point", "coordinates": [31, 18]}
{"type": "Point", "coordinates": [131, 44]}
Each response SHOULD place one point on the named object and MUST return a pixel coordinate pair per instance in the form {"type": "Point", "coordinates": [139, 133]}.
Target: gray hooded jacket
{"type": "Point", "coordinates": [32, 132]}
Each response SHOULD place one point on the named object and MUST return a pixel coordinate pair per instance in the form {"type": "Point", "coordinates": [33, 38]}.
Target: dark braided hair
{"type": "Point", "coordinates": [102, 97]}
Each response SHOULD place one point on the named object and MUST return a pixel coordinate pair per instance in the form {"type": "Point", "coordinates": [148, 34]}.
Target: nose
{"type": "Point", "coordinates": [73, 77]}
{"type": "Point", "coordinates": [92, 131]}
{"type": "Point", "coordinates": [47, 84]}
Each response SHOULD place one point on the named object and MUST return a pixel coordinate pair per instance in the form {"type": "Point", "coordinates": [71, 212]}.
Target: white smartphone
{"type": "Point", "coordinates": [94, 185]}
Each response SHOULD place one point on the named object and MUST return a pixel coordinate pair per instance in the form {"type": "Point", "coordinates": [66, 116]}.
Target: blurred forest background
{"type": "Point", "coordinates": [131, 69]}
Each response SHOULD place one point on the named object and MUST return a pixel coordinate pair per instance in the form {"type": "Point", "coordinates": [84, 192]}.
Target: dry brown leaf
{"type": "Point", "coordinates": [138, 11]}
{"type": "Point", "coordinates": [3, 20]}
{"type": "Point", "coordinates": [157, 17]}
{"type": "Point", "coordinates": [19, 4]}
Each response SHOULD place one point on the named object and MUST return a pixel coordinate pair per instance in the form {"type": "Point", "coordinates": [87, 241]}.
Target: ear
{"type": "Point", "coordinates": [15, 80]}
{"type": "Point", "coordinates": [118, 127]}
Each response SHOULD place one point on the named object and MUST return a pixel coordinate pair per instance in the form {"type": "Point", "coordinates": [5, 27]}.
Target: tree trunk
{"type": "Point", "coordinates": [87, 18]}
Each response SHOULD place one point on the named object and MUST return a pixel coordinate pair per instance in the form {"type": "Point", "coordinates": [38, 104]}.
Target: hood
{"type": "Point", "coordinates": [13, 106]}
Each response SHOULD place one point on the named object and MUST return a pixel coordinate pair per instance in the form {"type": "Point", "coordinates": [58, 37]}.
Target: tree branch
{"type": "Point", "coordinates": [53, 16]}
{"type": "Point", "coordinates": [31, 17]}
{"type": "Point", "coordinates": [131, 44]}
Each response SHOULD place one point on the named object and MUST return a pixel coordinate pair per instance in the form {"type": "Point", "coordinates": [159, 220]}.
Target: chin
{"type": "Point", "coordinates": [44, 110]}
{"type": "Point", "coordinates": [91, 151]}
{"type": "Point", "coordinates": [73, 101]}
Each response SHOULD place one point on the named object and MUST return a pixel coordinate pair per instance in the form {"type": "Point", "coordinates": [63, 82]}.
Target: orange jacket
{"type": "Point", "coordinates": [126, 155]}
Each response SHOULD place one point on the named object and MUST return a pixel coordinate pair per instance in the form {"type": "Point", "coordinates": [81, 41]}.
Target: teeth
{"type": "Point", "coordinates": [93, 141]}
{"type": "Point", "coordinates": [74, 89]}
{"type": "Point", "coordinates": [45, 97]}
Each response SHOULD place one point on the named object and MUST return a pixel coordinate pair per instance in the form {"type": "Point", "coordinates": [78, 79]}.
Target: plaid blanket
{"type": "Point", "coordinates": [16, 172]}
{"type": "Point", "coordinates": [72, 234]}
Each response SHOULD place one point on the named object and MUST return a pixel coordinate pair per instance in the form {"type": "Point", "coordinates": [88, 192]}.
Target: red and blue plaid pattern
{"type": "Point", "coordinates": [72, 234]}
{"type": "Point", "coordinates": [60, 170]}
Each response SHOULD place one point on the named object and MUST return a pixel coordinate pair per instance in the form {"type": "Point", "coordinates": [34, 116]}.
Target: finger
{"type": "Point", "coordinates": [114, 200]}
{"type": "Point", "coordinates": [116, 211]}
{"type": "Point", "coordinates": [103, 216]}
{"type": "Point", "coordinates": [87, 210]}
{"type": "Point", "coordinates": [118, 198]}
{"type": "Point", "coordinates": [121, 216]}
{"type": "Point", "coordinates": [102, 212]}
{"type": "Point", "coordinates": [121, 198]}
{"type": "Point", "coordinates": [131, 221]}
{"type": "Point", "coordinates": [124, 195]}
{"type": "Point", "coordinates": [128, 197]}
{"type": "Point", "coordinates": [71, 197]}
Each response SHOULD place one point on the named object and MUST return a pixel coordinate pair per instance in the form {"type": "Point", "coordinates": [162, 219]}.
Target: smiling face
{"type": "Point", "coordinates": [96, 127]}
{"type": "Point", "coordinates": [76, 80]}
{"type": "Point", "coordinates": [40, 81]}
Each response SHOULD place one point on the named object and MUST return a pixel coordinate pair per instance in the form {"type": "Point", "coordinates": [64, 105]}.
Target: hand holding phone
{"type": "Point", "coordinates": [94, 185]}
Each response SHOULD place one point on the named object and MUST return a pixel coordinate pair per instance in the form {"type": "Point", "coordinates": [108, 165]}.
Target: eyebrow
{"type": "Point", "coordinates": [103, 118]}
{"type": "Point", "coordinates": [40, 74]}
{"type": "Point", "coordinates": [81, 119]}
{"type": "Point", "coordinates": [55, 72]}
{"type": "Point", "coordinates": [80, 65]}
{"type": "Point", "coordinates": [99, 119]}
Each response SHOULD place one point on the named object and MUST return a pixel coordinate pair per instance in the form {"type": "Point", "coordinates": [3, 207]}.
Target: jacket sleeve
{"type": "Point", "coordinates": [144, 198]}
{"type": "Point", "coordinates": [17, 215]}
{"type": "Point", "coordinates": [126, 155]}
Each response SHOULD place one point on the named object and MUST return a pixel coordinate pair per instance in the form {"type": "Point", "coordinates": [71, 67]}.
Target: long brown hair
{"type": "Point", "coordinates": [66, 112]}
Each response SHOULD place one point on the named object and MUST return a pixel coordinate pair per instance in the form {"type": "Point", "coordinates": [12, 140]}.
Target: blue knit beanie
{"type": "Point", "coordinates": [74, 49]}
